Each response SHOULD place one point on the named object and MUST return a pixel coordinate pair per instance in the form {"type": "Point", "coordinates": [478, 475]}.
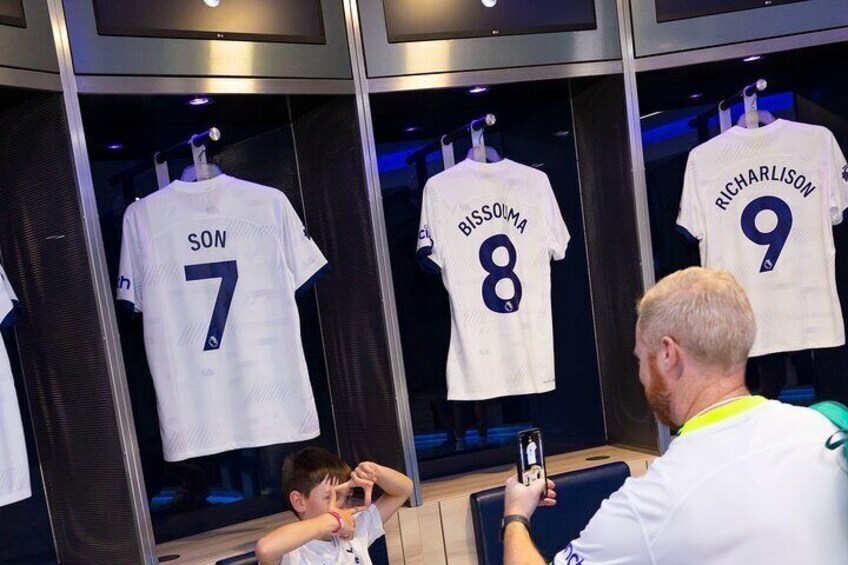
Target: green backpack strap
{"type": "Point", "coordinates": [837, 413]}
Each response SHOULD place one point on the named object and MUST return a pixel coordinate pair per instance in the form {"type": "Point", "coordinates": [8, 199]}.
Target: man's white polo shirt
{"type": "Point", "coordinates": [755, 487]}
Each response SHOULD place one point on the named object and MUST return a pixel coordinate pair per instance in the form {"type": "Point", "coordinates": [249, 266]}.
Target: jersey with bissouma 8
{"type": "Point", "coordinates": [759, 487]}
{"type": "Point", "coordinates": [214, 267]}
{"type": "Point", "coordinates": [492, 230]}
{"type": "Point", "coordinates": [762, 203]}
{"type": "Point", "coordinates": [14, 467]}
{"type": "Point", "coordinates": [369, 528]}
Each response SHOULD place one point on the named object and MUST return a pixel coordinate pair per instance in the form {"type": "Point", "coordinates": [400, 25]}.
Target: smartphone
{"type": "Point", "coordinates": [531, 456]}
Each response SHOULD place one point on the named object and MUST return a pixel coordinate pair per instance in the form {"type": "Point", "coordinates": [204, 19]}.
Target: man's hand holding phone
{"type": "Point", "coordinates": [523, 500]}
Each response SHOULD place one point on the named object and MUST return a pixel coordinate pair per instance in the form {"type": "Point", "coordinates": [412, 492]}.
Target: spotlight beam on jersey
{"type": "Point", "coordinates": [491, 229]}
{"type": "Point", "coordinates": [214, 266]}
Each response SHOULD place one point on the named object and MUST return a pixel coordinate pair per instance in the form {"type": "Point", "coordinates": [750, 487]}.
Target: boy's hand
{"type": "Point", "coordinates": [365, 476]}
{"type": "Point", "coordinates": [347, 515]}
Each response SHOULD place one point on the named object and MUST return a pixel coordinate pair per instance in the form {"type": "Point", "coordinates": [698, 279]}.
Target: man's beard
{"type": "Point", "coordinates": [658, 394]}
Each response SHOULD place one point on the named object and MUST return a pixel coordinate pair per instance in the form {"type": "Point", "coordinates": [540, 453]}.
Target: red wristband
{"type": "Point", "coordinates": [338, 519]}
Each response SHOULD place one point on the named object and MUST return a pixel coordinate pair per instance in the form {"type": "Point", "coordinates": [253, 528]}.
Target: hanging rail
{"type": "Point", "coordinates": [728, 103]}
{"type": "Point", "coordinates": [196, 140]}
{"type": "Point", "coordinates": [486, 121]}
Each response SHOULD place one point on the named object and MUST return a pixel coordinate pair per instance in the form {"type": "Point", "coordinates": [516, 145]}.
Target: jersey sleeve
{"type": "Point", "coordinates": [129, 284]}
{"type": "Point", "coordinates": [837, 174]}
{"type": "Point", "coordinates": [428, 248]}
{"type": "Point", "coordinates": [369, 525]}
{"type": "Point", "coordinates": [8, 301]}
{"type": "Point", "coordinates": [304, 260]}
{"type": "Point", "coordinates": [690, 217]}
{"type": "Point", "coordinates": [614, 536]}
{"type": "Point", "coordinates": [558, 236]}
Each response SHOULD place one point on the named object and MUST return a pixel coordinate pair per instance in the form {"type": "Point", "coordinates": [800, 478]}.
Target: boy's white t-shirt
{"type": "Point", "coordinates": [369, 528]}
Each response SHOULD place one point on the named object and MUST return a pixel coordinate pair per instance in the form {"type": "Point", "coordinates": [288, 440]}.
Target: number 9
{"type": "Point", "coordinates": [776, 238]}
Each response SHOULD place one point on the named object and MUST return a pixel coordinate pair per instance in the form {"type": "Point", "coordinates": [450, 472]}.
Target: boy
{"type": "Point", "coordinates": [317, 484]}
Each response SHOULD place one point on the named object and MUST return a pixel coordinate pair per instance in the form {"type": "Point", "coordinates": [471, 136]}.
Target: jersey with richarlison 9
{"type": "Point", "coordinates": [214, 267]}
{"type": "Point", "coordinates": [491, 229]}
{"type": "Point", "coordinates": [762, 203]}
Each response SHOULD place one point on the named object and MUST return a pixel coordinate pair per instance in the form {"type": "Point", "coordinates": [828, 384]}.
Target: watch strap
{"type": "Point", "coordinates": [506, 520]}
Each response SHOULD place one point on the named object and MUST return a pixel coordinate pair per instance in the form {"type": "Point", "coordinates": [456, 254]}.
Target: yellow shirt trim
{"type": "Point", "coordinates": [721, 413]}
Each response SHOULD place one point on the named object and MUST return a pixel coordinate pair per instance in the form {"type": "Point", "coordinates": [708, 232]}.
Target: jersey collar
{"type": "Point", "coordinates": [720, 413]}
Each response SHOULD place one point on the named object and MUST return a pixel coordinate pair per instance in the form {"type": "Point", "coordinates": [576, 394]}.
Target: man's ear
{"type": "Point", "coordinates": [298, 502]}
{"type": "Point", "coordinates": [669, 355]}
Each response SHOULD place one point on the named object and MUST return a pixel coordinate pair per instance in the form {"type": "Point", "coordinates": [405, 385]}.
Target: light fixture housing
{"type": "Point", "coordinates": [199, 101]}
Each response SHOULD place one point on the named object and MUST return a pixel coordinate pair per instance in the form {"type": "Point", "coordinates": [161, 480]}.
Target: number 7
{"type": "Point", "coordinates": [227, 271]}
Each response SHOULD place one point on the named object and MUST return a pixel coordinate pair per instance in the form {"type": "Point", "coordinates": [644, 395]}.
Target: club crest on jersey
{"type": "Point", "coordinates": [508, 306]}
{"type": "Point", "coordinates": [845, 173]}
{"type": "Point", "coordinates": [213, 342]}
{"type": "Point", "coordinates": [767, 265]}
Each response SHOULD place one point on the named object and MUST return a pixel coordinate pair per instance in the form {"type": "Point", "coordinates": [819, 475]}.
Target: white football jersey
{"type": "Point", "coordinates": [762, 203]}
{"type": "Point", "coordinates": [492, 229]}
{"type": "Point", "coordinates": [14, 466]}
{"type": "Point", "coordinates": [214, 267]}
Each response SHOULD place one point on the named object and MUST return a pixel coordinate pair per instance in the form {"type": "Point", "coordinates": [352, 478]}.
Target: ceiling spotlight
{"type": "Point", "coordinates": [696, 96]}
{"type": "Point", "coordinates": [114, 146]}
{"type": "Point", "coordinates": [411, 129]}
{"type": "Point", "coordinates": [489, 3]}
{"type": "Point", "coordinates": [212, 3]}
{"type": "Point", "coordinates": [752, 58]}
{"type": "Point", "coordinates": [199, 101]}
{"type": "Point", "coordinates": [563, 133]}
{"type": "Point", "coordinates": [478, 90]}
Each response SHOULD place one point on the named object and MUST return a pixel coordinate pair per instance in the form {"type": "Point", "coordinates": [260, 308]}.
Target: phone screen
{"type": "Point", "coordinates": [531, 457]}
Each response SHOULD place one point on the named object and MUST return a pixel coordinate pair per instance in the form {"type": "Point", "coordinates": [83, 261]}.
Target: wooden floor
{"type": "Point", "coordinates": [439, 531]}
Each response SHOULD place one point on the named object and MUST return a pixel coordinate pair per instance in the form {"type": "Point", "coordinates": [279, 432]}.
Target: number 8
{"type": "Point", "coordinates": [497, 273]}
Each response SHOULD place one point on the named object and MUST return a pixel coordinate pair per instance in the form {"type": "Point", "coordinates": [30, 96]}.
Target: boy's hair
{"type": "Point", "coordinates": [306, 469]}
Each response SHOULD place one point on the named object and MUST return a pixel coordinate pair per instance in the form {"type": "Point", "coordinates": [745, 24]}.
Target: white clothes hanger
{"type": "Point", "coordinates": [201, 169]}
{"type": "Point", "coordinates": [481, 152]}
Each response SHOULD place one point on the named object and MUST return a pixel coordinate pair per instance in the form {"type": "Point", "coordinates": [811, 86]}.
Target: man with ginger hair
{"type": "Point", "coordinates": [747, 480]}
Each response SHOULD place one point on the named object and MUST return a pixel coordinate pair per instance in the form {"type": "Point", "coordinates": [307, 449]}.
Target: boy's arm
{"type": "Point", "coordinates": [285, 539]}
{"type": "Point", "coordinates": [396, 487]}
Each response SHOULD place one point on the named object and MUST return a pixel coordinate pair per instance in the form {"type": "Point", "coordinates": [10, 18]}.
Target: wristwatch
{"type": "Point", "coordinates": [513, 518]}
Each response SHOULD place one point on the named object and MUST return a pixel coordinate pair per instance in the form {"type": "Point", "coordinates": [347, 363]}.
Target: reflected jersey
{"type": "Point", "coordinates": [214, 267]}
{"type": "Point", "coordinates": [14, 466]}
{"type": "Point", "coordinates": [761, 204]}
{"type": "Point", "coordinates": [492, 230]}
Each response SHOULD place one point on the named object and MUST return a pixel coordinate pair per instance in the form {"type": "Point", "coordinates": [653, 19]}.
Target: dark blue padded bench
{"type": "Point", "coordinates": [579, 495]}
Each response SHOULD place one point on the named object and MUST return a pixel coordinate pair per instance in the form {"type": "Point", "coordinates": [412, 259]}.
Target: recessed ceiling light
{"type": "Point", "coordinates": [212, 3]}
{"type": "Point", "coordinates": [696, 95]}
{"type": "Point", "coordinates": [563, 133]}
{"type": "Point", "coordinates": [199, 101]}
{"type": "Point", "coordinates": [752, 58]}
{"type": "Point", "coordinates": [411, 129]}
{"type": "Point", "coordinates": [114, 146]}
{"type": "Point", "coordinates": [478, 90]}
